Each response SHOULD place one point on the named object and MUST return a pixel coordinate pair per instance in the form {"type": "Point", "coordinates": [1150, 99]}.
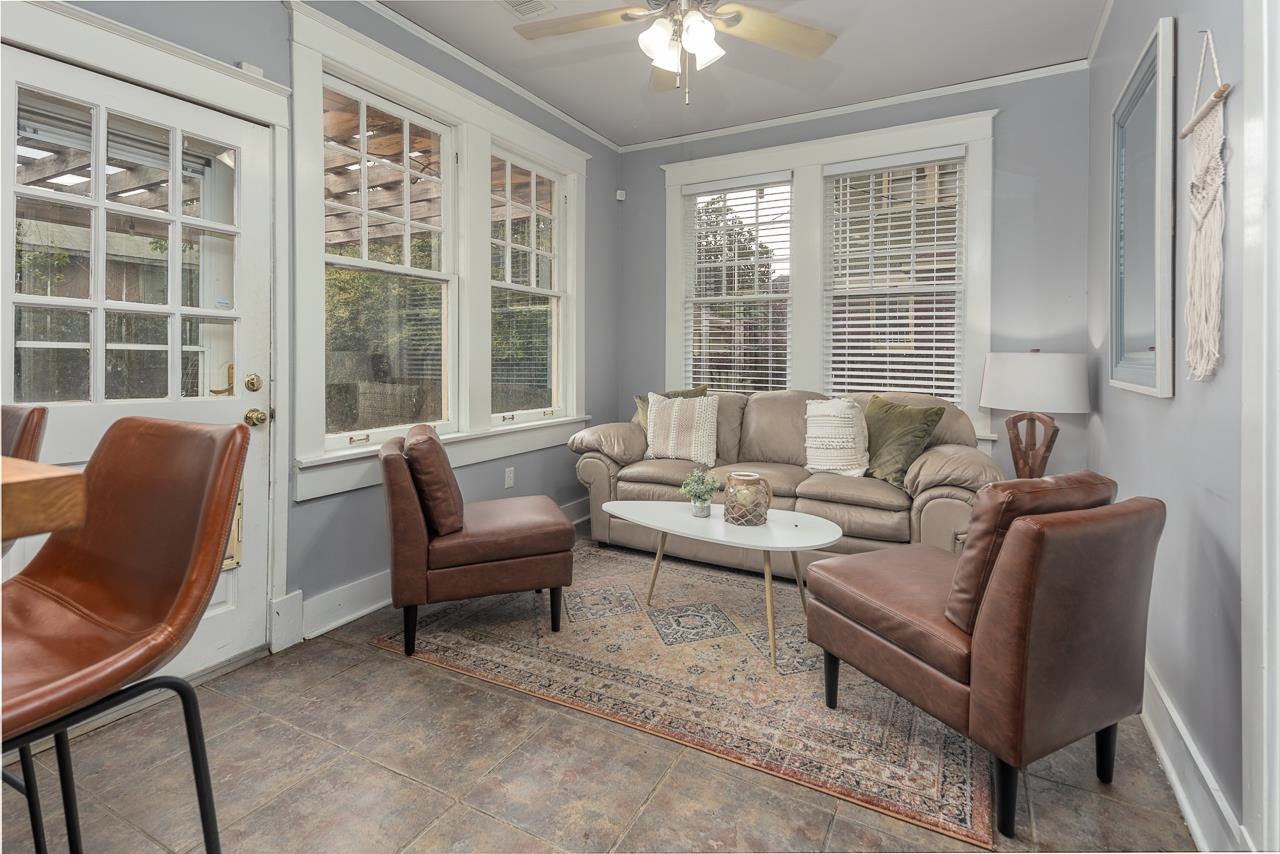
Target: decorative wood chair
{"type": "Point", "coordinates": [21, 434]}
{"type": "Point", "coordinates": [443, 550]}
{"type": "Point", "coordinates": [104, 605]}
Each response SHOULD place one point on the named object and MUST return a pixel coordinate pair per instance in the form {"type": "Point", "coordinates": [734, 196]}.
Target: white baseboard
{"type": "Point", "coordinates": [1213, 824]}
{"type": "Point", "coordinates": [326, 611]}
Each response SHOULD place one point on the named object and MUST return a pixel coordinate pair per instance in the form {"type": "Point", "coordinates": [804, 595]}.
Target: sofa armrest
{"type": "Point", "coordinates": [951, 465]}
{"type": "Point", "coordinates": [408, 527]}
{"type": "Point", "coordinates": [624, 442]}
{"type": "Point", "coordinates": [599, 474]}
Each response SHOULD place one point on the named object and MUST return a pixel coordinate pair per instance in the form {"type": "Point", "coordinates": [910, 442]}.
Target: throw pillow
{"type": "Point", "coordinates": [642, 401]}
{"type": "Point", "coordinates": [896, 435]}
{"type": "Point", "coordinates": [682, 428]}
{"type": "Point", "coordinates": [433, 476]}
{"type": "Point", "coordinates": [835, 437]}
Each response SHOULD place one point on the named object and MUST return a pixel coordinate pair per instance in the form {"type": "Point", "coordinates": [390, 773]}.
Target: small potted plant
{"type": "Point", "coordinates": [700, 487]}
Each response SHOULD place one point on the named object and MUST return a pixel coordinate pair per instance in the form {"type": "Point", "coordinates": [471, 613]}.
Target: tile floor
{"type": "Point", "coordinates": [334, 745]}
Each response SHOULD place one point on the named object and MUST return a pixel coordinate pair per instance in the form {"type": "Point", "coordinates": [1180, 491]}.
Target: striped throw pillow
{"type": "Point", "coordinates": [835, 437]}
{"type": "Point", "coordinates": [682, 428]}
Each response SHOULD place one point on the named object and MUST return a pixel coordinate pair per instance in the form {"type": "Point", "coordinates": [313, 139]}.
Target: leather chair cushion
{"type": "Point", "coordinates": [670, 472]}
{"type": "Point", "coordinates": [783, 479]}
{"type": "Point", "coordinates": [501, 530]}
{"type": "Point", "coordinates": [773, 427]}
{"type": "Point", "coordinates": [862, 491]}
{"type": "Point", "coordinates": [893, 526]}
{"type": "Point", "coordinates": [433, 476]}
{"type": "Point", "coordinates": [899, 594]}
{"type": "Point", "coordinates": [995, 508]}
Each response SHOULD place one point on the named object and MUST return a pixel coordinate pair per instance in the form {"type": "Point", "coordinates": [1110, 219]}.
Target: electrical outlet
{"type": "Point", "coordinates": [509, 480]}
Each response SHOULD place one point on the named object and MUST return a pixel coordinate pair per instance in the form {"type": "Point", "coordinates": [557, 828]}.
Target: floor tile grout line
{"type": "Point", "coordinates": [266, 802]}
{"type": "Point", "coordinates": [480, 777]}
{"type": "Point", "coordinates": [645, 803]}
{"type": "Point", "coordinates": [1121, 801]}
{"type": "Point", "coordinates": [430, 825]}
{"type": "Point", "coordinates": [826, 837]}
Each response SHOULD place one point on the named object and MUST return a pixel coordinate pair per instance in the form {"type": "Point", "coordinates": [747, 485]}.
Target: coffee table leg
{"type": "Point", "coordinates": [795, 563]}
{"type": "Point", "coordinates": [657, 564]}
{"type": "Point", "coordinates": [768, 607]}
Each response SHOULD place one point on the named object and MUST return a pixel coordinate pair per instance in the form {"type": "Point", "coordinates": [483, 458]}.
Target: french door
{"type": "Point", "coordinates": [136, 281]}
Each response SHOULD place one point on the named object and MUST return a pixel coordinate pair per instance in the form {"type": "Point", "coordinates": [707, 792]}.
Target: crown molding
{"type": "Point", "coordinates": [1101, 28]}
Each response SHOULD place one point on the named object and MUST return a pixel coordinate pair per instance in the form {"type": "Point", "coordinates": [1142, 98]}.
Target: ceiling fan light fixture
{"type": "Point", "coordinates": [697, 34]}
{"type": "Point", "coordinates": [655, 38]}
{"type": "Point", "coordinates": [668, 59]}
{"type": "Point", "coordinates": [708, 54]}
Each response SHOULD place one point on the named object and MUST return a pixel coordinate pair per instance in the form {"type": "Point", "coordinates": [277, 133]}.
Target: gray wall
{"type": "Point", "coordinates": [341, 538]}
{"type": "Point", "coordinates": [1184, 450]}
{"type": "Point", "coordinates": [1038, 232]}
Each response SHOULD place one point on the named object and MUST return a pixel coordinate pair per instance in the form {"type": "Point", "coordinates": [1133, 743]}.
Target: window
{"type": "Point", "coordinates": [894, 279]}
{"type": "Point", "coordinates": [385, 289]}
{"type": "Point", "coordinates": [737, 302]}
{"type": "Point", "coordinates": [525, 302]}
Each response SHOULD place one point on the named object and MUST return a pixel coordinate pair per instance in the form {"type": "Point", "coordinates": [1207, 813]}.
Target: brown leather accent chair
{"type": "Point", "coordinates": [104, 605]}
{"type": "Point", "coordinates": [1030, 639]}
{"type": "Point", "coordinates": [443, 550]}
{"type": "Point", "coordinates": [21, 434]}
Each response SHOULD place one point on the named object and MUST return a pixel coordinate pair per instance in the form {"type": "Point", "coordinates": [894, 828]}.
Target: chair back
{"type": "Point", "coordinates": [1060, 640]}
{"type": "Point", "coordinates": [22, 431]}
{"type": "Point", "coordinates": [160, 498]}
{"type": "Point", "coordinates": [996, 508]}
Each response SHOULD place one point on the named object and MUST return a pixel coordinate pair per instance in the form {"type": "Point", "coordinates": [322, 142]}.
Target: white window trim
{"type": "Point", "coordinates": [320, 46]}
{"type": "Point", "coordinates": [806, 161]}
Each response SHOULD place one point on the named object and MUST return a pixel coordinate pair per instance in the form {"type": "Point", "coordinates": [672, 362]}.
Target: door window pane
{"type": "Point", "coordinates": [137, 259]}
{"type": "Point", "coordinates": [137, 355]}
{"type": "Point", "coordinates": [384, 336]}
{"type": "Point", "coordinates": [341, 119]}
{"type": "Point", "coordinates": [208, 357]}
{"type": "Point", "coordinates": [53, 143]}
{"type": "Point", "coordinates": [208, 180]}
{"type": "Point", "coordinates": [523, 351]}
{"type": "Point", "coordinates": [137, 163]}
{"type": "Point", "coordinates": [51, 249]}
{"type": "Point", "coordinates": [208, 269]}
{"type": "Point", "coordinates": [51, 354]}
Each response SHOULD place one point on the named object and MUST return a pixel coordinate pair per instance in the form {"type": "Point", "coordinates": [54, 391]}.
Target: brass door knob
{"type": "Point", "coordinates": [253, 382]}
{"type": "Point", "coordinates": [255, 417]}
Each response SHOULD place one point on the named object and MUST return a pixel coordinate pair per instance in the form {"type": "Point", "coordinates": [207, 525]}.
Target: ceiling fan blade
{"type": "Point", "coordinates": [775, 31]}
{"type": "Point", "coordinates": [576, 23]}
{"type": "Point", "coordinates": [661, 80]}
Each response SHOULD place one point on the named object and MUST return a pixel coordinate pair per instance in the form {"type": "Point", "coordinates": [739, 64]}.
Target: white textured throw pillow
{"type": "Point", "coordinates": [682, 428]}
{"type": "Point", "coordinates": [835, 437]}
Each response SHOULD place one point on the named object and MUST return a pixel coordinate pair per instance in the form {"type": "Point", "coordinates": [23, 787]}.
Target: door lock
{"type": "Point", "coordinates": [255, 417]}
{"type": "Point", "coordinates": [253, 382]}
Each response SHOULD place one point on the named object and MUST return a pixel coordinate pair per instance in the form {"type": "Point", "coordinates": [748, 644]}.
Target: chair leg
{"type": "Point", "coordinates": [410, 628]}
{"type": "Point", "coordinates": [831, 677]}
{"type": "Point", "coordinates": [1006, 797]}
{"type": "Point", "coordinates": [32, 787]}
{"type": "Point", "coordinates": [67, 781]}
{"type": "Point", "coordinates": [556, 594]}
{"type": "Point", "coordinates": [199, 763]}
{"type": "Point", "coordinates": [1104, 742]}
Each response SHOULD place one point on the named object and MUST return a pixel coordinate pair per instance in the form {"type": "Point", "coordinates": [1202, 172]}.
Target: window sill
{"type": "Point", "coordinates": [343, 471]}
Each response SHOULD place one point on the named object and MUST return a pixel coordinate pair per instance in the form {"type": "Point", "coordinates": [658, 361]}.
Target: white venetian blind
{"type": "Point", "coordinates": [894, 279]}
{"type": "Point", "coordinates": [738, 286]}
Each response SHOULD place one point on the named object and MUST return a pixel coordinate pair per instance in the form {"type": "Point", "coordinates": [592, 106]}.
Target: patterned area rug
{"type": "Point", "coordinates": [694, 668]}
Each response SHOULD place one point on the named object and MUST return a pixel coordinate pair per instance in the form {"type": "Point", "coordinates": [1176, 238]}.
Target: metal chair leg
{"type": "Point", "coordinates": [67, 782]}
{"type": "Point", "coordinates": [199, 764]}
{"type": "Point", "coordinates": [32, 793]}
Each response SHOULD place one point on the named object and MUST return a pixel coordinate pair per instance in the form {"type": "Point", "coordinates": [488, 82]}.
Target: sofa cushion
{"type": "Point", "coordinates": [995, 508]}
{"type": "Point", "coordinates": [868, 523]}
{"type": "Point", "coordinates": [433, 477]}
{"type": "Point", "coordinates": [641, 491]}
{"type": "Point", "coordinates": [672, 472]}
{"type": "Point", "coordinates": [682, 429]}
{"type": "Point", "coordinates": [863, 491]}
{"type": "Point", "coordinates": [730, 406]}
{"type": "Point", "coordinates": [899, 594]}
{"type": "Point", "coordinates": [955, 428]}
{"type": "Point", "coordinates": [783, 479]}
{"type": "Point", "coordinates": [835, 437]}
{"type": "Point", "coordinates": [503, 529]}
{"type": "Point", "coordinates": [773, 427]}
{"type": "Point", "coordinates": [897, 433]}
{"type": "Point", "coordinates": [642, 402]}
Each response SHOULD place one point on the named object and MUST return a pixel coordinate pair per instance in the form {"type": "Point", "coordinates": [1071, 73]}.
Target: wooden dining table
{"type": "Point", "coordinates": [37, 498]}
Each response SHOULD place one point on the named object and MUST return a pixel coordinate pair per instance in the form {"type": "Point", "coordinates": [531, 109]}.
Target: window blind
{"type": "Point", "coordinates": [894, 279]}
{"type": "Point", "coordinates": [738, 287]}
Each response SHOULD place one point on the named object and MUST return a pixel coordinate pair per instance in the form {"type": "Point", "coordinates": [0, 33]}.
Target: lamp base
{"type": "Point", "coordinates": [1030, 458]}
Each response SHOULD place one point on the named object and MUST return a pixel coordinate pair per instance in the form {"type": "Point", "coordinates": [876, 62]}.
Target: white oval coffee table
{"type": "Point", "coordinates": [785, 531]}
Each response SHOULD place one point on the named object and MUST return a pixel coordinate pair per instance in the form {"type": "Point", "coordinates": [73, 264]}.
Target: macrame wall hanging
{"type": "Point", "coordinates": [1204, 251]}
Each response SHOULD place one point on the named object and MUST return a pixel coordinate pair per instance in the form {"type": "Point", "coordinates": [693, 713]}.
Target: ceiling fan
{"type": "Point", "coordinates": [682, 32]}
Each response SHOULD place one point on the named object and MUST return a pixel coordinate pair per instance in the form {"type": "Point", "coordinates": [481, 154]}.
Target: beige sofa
{"type": "Point", "coordinates": [764, 433]}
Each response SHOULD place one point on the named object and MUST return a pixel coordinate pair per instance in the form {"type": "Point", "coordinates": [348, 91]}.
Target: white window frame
{"type": "Point", "coordinates": [322, 46]}
{"type": "Point", "coordinates": [806, 161]}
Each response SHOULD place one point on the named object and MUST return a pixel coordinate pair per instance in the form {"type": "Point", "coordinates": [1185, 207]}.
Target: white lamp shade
{"type": "Point", "coordinates": [708, 54]}
{"type": "Point", "coordinates": [668, 58]}
{"type": "Point", "coordinates": [1036, 382]}
{"type": "Point", "coordinates": [697, 32]}
{"type": "Point", "coordinates": [655, 37]}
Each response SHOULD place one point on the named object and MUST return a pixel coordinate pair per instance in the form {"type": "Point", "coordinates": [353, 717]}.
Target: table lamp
{"type": "Point", "coordinates": [1032, 384]}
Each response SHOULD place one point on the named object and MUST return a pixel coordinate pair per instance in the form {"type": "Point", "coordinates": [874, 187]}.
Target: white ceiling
{"type": "Point", "coordinates": [885, 48]}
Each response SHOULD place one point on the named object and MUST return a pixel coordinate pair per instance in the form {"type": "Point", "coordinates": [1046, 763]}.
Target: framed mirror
{"type": "Point", "coordinates": [1142, 222]}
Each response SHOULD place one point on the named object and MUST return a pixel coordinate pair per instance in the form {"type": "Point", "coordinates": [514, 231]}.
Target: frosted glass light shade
{"type": "Point", "coordinates": [1036, 382]}
{"type": "Point", "coordinates": [709, 54]}
{"type": "Point", "coordinates": [656, 37]}
{"type": "Point", "coordinates": [697, 33]}
{"type": "Point", "coordinates": [668, 59]}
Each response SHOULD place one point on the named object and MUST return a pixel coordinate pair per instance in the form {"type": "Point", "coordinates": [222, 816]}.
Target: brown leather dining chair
{"type": "Point", "coordinates": [443, 550]}
{"type": "Point", "coordinates": [1029, 640]}
{"type": "Point", "coordinates": [102, 606]}
{"type": "Point", "coordinates": [21, 434]}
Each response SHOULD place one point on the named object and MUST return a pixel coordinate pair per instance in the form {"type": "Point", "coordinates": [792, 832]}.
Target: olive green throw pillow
{"type": "Point", "coordinates": [896, 435]}
{"type": "Point", "coordinates": [642, 402]}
